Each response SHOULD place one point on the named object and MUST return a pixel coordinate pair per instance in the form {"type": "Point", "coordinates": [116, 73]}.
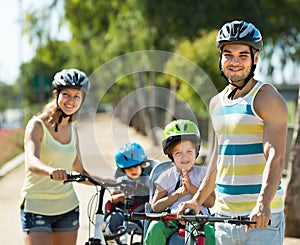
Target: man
{"type": "Point", "coordinates": [249, 119]}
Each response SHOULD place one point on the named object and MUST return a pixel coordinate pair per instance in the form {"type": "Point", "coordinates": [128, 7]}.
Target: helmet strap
{"type": "Point", "coordinates": [62, 115]}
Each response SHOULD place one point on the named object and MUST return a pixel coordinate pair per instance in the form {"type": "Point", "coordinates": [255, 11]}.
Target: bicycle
{"type": "Point", "coordinates": [97, 218]}
{"type": "Point", "coordinates": [194, 228]}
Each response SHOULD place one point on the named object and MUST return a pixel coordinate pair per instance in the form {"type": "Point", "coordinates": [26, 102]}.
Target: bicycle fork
{"type": "Point", "coordinates": [98, 238]}
{"type": "Point", "coordinates": [198, 238]}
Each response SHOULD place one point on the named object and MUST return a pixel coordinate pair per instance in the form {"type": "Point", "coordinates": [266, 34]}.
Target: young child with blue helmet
{"type": "Point", "coordinates": [132, 164]}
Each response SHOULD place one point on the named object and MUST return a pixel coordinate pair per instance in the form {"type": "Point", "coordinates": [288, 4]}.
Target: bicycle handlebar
{"type": "Point", "coordinates": [129, 186]}
{"type": "Point", "coordinates": [77, 177]}
{"type": "Point", "coordinates": [164, 216]}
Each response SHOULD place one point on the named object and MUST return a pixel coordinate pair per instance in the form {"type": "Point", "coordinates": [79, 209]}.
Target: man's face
{"type": "Point", "coordinates": [236, 62]}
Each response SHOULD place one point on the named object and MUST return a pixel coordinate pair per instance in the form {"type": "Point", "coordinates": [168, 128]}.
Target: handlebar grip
{"type": "Point", "coordinates": [68, 176]}
{"type": "Point", "coordinates": [189, 211]}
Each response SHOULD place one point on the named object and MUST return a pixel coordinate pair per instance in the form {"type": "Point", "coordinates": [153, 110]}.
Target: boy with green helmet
{"type": "Point", "coordinates": [178, 131]}
{"type": "Point", "coordinates": [181, 142]}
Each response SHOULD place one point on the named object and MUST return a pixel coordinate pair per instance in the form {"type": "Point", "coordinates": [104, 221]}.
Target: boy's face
{"type": "Point", "coordinates": [133, 172]}
{"type": "Point", "coordinates": [184, 154]}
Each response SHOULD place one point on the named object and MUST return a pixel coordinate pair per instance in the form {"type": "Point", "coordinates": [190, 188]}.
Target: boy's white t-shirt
{"type": "Point", "coordinates": [168, 180]}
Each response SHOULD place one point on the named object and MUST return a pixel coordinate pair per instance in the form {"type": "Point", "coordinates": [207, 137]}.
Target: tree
{"type": "Point", "coordinates": [278, 21]}
{"type": "Point", "coordinates": [292, 200]}
{"type": "Point", "coordinates": [8, 98]}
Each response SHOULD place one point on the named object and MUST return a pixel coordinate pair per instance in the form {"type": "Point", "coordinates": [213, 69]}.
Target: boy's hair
{"type": "Point", "coordinates": [175, 143]}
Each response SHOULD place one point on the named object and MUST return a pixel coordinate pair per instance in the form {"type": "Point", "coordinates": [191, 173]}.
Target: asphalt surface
{"type": "Point", "coordinates": [99, 139]}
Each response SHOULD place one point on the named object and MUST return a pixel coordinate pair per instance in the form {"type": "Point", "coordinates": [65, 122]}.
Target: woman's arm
{"type": "Point", "coordinates": [32, 145]}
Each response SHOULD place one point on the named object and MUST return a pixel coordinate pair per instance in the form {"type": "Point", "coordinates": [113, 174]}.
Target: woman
{"type": "Point", "coordinates": [50, 209]}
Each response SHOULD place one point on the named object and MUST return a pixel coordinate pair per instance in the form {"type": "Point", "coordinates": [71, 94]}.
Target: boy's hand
{"type": "Point", "coordinates": [181, 191]}
{"type": "Point", "coordinates": [186, 181]}
{"type": "Point", "coordinates": [118, 197]}
{"type": "Point", "coordinates": [189, 204]}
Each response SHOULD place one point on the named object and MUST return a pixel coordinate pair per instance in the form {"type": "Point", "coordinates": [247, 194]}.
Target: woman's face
{"type": "Point", "coordinates": [184, 155]}
{"type": "Point", "coordinates": [133, 172]}
{"type": "Point", "coordinates": [69, 100]}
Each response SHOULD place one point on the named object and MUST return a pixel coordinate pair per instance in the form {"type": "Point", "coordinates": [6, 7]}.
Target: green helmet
{"type": "Point", "coordinates": [179, 130]}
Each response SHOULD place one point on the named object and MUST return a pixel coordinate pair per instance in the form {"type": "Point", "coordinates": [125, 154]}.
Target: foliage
{"type": "Point", "coordinates": [205, 55]}
{"type": "Point", "coordinates": [11, 144]}
{"type": "Point", "coordinates": [9, 96]}
{"type": "Point", "coordinates": [278, 20]}
{"type": "Point", "coordinates": [104, 30]}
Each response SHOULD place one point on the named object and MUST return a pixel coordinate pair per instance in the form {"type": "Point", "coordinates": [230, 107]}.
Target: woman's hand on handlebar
{"type": "Point", "coordinates": [192, 204]}
{"type": "Point", "coordinates": [59, 174]}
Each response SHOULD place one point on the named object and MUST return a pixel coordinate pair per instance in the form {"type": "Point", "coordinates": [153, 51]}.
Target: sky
{"type": "Point", "coordinates": [14, 49]}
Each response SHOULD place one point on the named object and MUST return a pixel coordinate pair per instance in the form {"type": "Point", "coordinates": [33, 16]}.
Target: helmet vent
{"type": "Point", "coordinates": [185, 127]}
{"type": "Point", "coordinates": [177, 127]}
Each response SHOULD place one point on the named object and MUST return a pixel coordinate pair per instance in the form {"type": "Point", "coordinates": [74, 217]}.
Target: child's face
{"type": "Point", "coordinates": [134, 172]}
{"type": "Point", "coordinates": [184, 154]}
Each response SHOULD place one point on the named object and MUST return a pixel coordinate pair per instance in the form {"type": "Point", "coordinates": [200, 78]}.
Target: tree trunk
{"type": "Point", "coordinates": [292, 200]}
{"type": "Point", "coordinates": [170, 113]}
{"type": "Point", "coordinates": [147, 113]}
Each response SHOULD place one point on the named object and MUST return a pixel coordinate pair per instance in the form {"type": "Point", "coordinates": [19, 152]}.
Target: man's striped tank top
{"type": "Point", "coordinates": [241, 159]}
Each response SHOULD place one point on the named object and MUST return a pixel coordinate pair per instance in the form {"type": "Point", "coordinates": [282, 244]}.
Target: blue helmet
{"type": "Point", "coordinates": [239, 32]}
{"type": "Point", "coordinates": [129, 155]}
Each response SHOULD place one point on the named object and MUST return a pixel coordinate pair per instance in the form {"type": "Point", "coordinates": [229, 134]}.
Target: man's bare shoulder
{"type": "Point", "coordinates": [269, 100]}
{"type": "Point", "coordinates": [268, 93]}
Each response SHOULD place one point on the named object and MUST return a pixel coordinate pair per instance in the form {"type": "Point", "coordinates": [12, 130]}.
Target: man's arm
{"type": "Point", "coordinates": [272, 108]}
{"type": "Point", "coordinates": [208, 184]}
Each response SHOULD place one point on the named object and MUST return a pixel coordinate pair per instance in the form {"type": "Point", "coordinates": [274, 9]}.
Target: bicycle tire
{"type": "Point", "coordinates": [120, 231]}
{"type": "Point", "coordinates": [132, 234]}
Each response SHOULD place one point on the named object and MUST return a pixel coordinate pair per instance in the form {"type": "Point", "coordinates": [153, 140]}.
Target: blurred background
{"type": "Point", "coordinates": [40, 38]}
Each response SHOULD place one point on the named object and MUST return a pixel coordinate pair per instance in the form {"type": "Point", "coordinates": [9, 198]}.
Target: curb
{"type": "Point", "coordinates": [11, 165]}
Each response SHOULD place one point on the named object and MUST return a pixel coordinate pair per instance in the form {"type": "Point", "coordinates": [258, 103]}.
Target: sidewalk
{"type": "Point", "coordinates": [98, 158]}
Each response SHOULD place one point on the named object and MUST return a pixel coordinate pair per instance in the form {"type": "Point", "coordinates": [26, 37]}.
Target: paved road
{"type": "Point", "coordinates": [98, 145]}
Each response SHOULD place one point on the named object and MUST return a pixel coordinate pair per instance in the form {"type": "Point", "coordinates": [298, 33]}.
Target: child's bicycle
{"type": "Point", "coordinates": [96, 212]}
{"type": "Point", "coordinates": [194, 228]}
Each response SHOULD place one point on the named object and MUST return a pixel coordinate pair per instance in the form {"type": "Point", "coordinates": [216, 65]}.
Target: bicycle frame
{"type": "Point", "coordinates": [99, 222]}
{"type": "Point", "coordinates": [99, 238]}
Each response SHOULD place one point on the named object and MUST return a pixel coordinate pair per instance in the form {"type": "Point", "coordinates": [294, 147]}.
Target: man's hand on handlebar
{"type": "Point", "coordinates": [261, 214]}
{"type": "Point", "coordinates": [192, 204]}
